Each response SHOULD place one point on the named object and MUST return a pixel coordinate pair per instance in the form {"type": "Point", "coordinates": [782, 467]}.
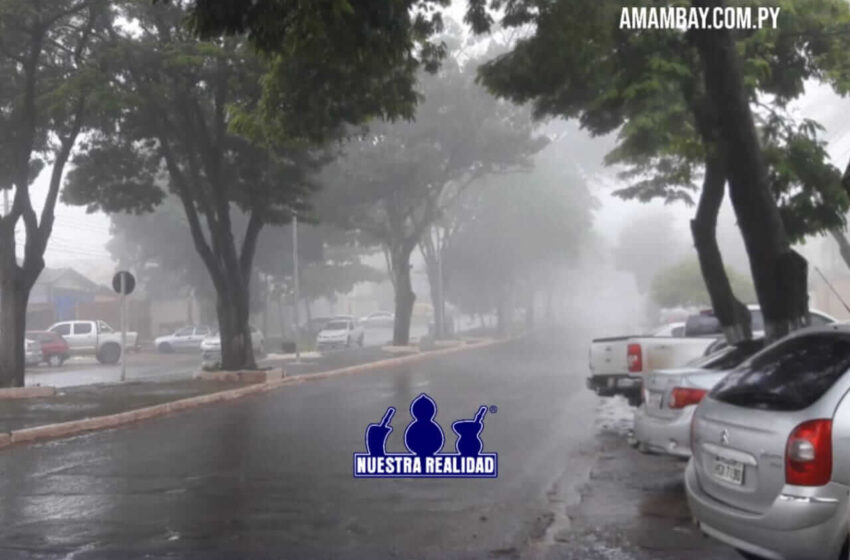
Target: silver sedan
{"type": "Point", "coordinates": [663, 422]}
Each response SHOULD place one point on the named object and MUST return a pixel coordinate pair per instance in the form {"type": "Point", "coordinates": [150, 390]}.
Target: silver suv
{"type": "Point", "coordinates": [770, 471]}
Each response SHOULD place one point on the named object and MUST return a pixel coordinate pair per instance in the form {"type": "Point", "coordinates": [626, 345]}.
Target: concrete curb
{"type": "Point", "coordinates": [75, 427]}
{"type": "Point", "coordinates": [27, 392]}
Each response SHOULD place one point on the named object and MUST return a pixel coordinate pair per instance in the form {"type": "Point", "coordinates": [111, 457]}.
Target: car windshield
{"type": "Point", "coordinates": [336, 326]}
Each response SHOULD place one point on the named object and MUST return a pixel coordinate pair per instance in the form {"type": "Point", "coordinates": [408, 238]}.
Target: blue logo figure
{"type": "Point", "coordinates": [469, 443]}
{"type": "Point", "coordinates": [377, 434]}
{"type": "Point", "coordinates": [424, 440]}
{"type": "Point", "coordinates": [423, 436]}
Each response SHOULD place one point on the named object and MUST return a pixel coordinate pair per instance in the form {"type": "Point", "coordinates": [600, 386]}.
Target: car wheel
{"type": "Point", "coordinates": [165, 348]}
{"type": "Point", "coordinates": [109, 354]}
{"type": "Point", "coordinates": [55, 360]}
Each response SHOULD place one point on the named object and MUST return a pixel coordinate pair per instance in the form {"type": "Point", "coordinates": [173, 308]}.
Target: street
{"type": "Point", "coordinates": [271, 476]}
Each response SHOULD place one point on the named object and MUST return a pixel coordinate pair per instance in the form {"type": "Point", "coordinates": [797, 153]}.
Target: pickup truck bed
{"type": "Point", "coordinates": [617, 364]}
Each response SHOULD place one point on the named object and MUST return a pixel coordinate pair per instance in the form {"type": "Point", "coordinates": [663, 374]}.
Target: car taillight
{"type": "Point", "coordinates": [682, 397]}
{"type": "Point", "coordinates": [808, 454]}
{"type": "Point", "coordinates": [634, 358]}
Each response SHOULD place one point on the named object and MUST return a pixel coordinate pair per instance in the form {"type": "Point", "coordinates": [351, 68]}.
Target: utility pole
{"type": "Point", "coordinates": [295, 276]}
{"type": "Point", "coordinates": [441, 328]}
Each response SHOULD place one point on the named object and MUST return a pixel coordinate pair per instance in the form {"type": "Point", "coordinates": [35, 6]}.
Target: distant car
{"type": "Point", "coordinates": [378, 319]}
{"type": "Point", "coordinates": [339, 333]}
{"type": "Point", "coordinates": [186, 338]}
{"type": "Point", "coordinates": [32, 352]}
{"type": "Point", "coordinates": [211, 347]}
{"type": "Point", "coordinates": [770, 471]}
{"type": "Point", "coordinates": [670, 396]}
{"type": "Point", "coordinates": [54, 348]}
{"type": "Point", "coordinates": [94, 338]}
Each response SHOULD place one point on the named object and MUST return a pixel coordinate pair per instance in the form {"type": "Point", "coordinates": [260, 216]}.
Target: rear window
{"type": "Point", "coordinates": [790, 375]}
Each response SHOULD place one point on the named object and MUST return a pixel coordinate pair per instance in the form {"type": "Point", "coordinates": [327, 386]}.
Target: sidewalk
{"type": "Point", "coordinates": [80, 404]}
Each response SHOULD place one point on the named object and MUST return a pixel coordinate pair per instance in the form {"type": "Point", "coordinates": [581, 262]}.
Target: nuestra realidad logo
{"type": "Point", "coordinates": [424, 439]}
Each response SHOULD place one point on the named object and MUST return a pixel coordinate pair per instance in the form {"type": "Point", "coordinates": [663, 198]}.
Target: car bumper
{"type": "Point", "coordinates": [803, 523]}
{"type": "Point", "coordinates": [331, 344]}
{"type": "Point", "coordinates": [665, 435]}
{"type": "Point", "coordinates": [210, 358]}
{"type": "Point", "coordinates": [615, 384]}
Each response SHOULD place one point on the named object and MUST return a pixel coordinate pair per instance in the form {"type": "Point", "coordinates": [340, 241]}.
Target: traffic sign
{"type": "Point", "coordinates": [129, 282]}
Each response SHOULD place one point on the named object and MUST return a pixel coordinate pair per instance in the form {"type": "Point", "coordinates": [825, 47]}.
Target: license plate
{"type": "Point", "coordinates": [654, 400]}
{"type": "Point", "coordinates": [729, 471]}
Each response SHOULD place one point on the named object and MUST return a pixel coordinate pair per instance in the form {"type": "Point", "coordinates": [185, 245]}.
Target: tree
{"type": "Point", "coordinates": [50, 67]}
{"type": "Point", "coordinates": [663, 87]}
{"type": "Point", "coordinates": [173, 96]}
{"type": "Point", "coordinates": [515, 230]}
{"type": "Point", "coordinates": [682, 285]}
{"type": "Point", "coordinates": [397, 180]}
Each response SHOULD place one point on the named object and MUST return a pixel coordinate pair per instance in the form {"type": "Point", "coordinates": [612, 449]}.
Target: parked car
{"type": "Point", "coordinates": [338, 333]}
{"type": "Point", "coordinates": [770, 471]}
{"type": "Point", "coordinates": [186, 338]}
{"type": "Point", "coordinates": [617, 364]}
{"type": "Point", "coordinates": [94, 338]}
{"type": "Point", "coordinates": [378, 319]}
{"type": "Point", "coordinates": [211, 347]}
{"type": "Point", "coordinates": [670, 396]}
{"type": "Point", "coordinates": [32, 352]}
{"type": "Point", "coordinates": [54, 348]}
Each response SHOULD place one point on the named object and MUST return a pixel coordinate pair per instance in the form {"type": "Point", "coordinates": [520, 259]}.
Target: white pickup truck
{"type": "Point", "coordinates": [617, 364]}
{"type": "Point", "coordinates": [94, 338]}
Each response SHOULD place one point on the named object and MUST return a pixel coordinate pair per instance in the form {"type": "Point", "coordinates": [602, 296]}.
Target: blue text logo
{"type": "Point", "coordinates": [424, 439]}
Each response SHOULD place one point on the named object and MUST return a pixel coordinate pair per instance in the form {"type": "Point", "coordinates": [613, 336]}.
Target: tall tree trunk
{"type": "Point", "coordinates": [732, 314]}
{"type": "Point", "coordinates": [779, 274]}
{"type": "Point", "coordinates": [15, 286]}
{"type": "Point", "coordinates": [237, 351]}
{"type": "Point", "coordinates": [432, 268]}
{"type": "Point", "coordinates": [404, 296]}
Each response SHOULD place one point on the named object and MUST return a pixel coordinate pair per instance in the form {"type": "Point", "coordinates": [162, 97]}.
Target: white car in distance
{"type": "Point", "coordinates": [186, 338]}
{"type": "Point", "coordinates": [340, 333]}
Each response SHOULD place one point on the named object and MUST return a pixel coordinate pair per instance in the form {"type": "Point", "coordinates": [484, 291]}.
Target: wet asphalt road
{"type": "Point", "coordinates": [270, 476]}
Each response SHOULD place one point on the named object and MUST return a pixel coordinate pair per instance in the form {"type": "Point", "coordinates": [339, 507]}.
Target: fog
{"type": "Point", "coordinates": [80, 237]}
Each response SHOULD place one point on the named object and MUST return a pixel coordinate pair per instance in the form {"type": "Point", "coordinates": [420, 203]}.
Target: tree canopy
{"type": "Point", "coordinates": [395, 181]}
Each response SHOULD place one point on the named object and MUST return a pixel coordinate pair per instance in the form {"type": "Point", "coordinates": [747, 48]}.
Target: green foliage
{"type": "Point", "coordinates": [335, 61]}
{"type": "Point", "coordinates": [647, 84]}
{"type": "Point", "coordinates": [165, 121]}
{"type": "Point", "coordinates": [396, 179]}
{"type": "Point", "coordinates": [682, 285]}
